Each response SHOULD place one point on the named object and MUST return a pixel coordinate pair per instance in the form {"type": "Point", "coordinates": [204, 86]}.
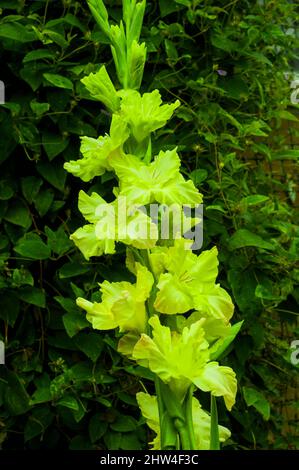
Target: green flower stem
{"type": "Point", "coordinates": [167, 430]}
{"type": "Point", "coordinates": [189, 417]}
{"type": "Point", "coordinates": [148, 154]}
{"type": "Point", "coordinates": [143, 256]}
{"type": "Point", "coordinates": [183, 433]}
{"type": "Point", "coordinates": [177, 413]}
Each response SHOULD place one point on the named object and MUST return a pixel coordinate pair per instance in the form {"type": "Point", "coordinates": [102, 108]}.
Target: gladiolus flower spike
{"type": "Point", "coordinates": [175, 318]}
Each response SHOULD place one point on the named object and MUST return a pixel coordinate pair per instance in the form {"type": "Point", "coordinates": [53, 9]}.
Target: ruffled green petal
{"type": "Point", "coordinates": [122, 305]}
{"type": "Point", "coordinates": [88, 205]}
{"type": "Point", "coordinates": [145, 113]}
{"type": "Point", "coordinates": [86, 240]}
{"type": "Point", "coordinates": [96, 152]}
{"type": "Point", "coordinates": [149, 408]}
{"type": "Point", "coordinates": [99, 314]}
{"type": "Point", "coordinates": [135, 182]}
{"type": "Point", "coordinates": [190, 283]}
{"type": "Point", "coordinates": [174, 357]}
{"type": "Point", "coordinates": [215, 301]}
{"type": "Point", "coordinates": [101, 88]}
{"type": "Point", "coordinates": [158, 181]}
{"type": "Point", "coordinates": [178, 191]}
{"type": "Point", "coordinates": [201, 269]}
{"type": "Point", "coordinates": [139, 231]}
{"type": "Point", "coordinates": [127, 343]}
{"type": "Point", "coordinates": [173, 297]}
{"type": "Point", "coordinates": [219, 380]}
{"type": "Point", "coordinates": [94, 162]}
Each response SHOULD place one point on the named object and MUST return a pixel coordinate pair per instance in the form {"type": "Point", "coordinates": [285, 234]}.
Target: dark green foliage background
{"type": "Point", "coordinates": [64, 385]}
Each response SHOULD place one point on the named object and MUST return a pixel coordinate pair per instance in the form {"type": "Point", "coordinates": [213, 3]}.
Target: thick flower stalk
{"type": "Point", "coordinates": [175, 318]}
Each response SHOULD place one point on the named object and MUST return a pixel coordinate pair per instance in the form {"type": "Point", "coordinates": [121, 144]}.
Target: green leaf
{"type": "Point", "coordinates": [22, 277]}
{"type": "Point", "coordinates": [7, 189]}
{"type": "Point", "coordinates": [69, 305]}
{"type": "Point", "coordinates": [32, 295]}
{"type": "Point", "coordinates": [187, 114]}
{"type": "Point", "coordinates": [130, 441]}
{"type": "Point", "coordinates": [256, 399]}
{"type": "Point", "coordinates": [259, 57]}
{"type": "Point", "coordinates": [53, 173]}
{"type": "Point", "coordinates": [90, 343]}
{"type": "Point", "coordinates": [58, 80]}
{"type": "Point", "coordinates": [244, 237]}
{"type": "Point", "coordinates": [44, 201]}
{"type": "Point", "coordinates": [268, 291]}
{"type": "Point", "coordinates": [74, 322]}
{"type": "Point", "coordinates": [9, 307]}
{"type": "Point", "coordinates": [72, 269]}
{"type": "Point", "coordinates": [236, 88]}
{"type": "Point", "coordinates": [221, 345]}
{"type": "Point", "coordinates": [74, 21]}
{"type": "Point", "coordinates": [38, 54]}
{"type": "Point", "coordinates": [18, 214]}
{"type": "Point", "coordinates": [224, 43]}
{"type": "Point", "coordinates": [58, 241]}
{"type": "Point", "coordinates": [69, 402]}
{"type": "Point", "coordinates": [42, 393]}
{"type": "Point", "coordinates": [30, 187]}
{"type": "Point", "coordinates": [104, 401]}
{"type": "Point", "coordinates": [15, 396]}
{"type": "Point", "coordinates": [8, 143]}
{"type": "Point", "coordinates": [243, 283]}
{"type": "Point", "coordinates": [16, 32]}
{"type": "Point", "coordinates": [254, 200]}
{"type": "Point", "coordinates": [31, 246]}
{"type": "Point", "coordinates": [214, 434]}
{"type": "Point", "coordinates": [80, 413]}
{"type": "Point", "coordinates": [39, 108]}
{"type": "Point", "coordinates": [124, 423]}
{"type": "Point", "coordinates": [216, 207]}
{"type": "Point", "coordinates": [171, 50]}
{"type": "Point", "coordinates": [287, 154]}
{"type": "Point", "coordinates": [112, 440]}
{"type": "Point", "coordinates": [283, 114]}
{"type": "Point", "coordinates": [198, 176]}
{"type": "Point", "coordinates": [57, 38]}
{"type": "Point", "coordinates": [32, 76]}
{"type": "Point", "coordinates": [37, 423]}
{"type": "Point", "coordinates": [97, 427]}
{"type": "Point", "coordinates": [54, 144]}
{"type": "Point", "coordinates": [80, 442]}
{"type": "Point", "coordinates": [167, 7]}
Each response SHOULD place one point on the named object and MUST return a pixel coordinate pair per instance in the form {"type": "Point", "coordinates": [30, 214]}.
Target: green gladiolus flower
{"type": "Point", "coordinates": [122, 305]}
{"type": "Point", "coordinates": [201, 422]}
{"type": "Point", "coordinates": [96, 152]}
{"type": "Point", "coordinates": [182, 359]}
{"type": "Point", "coordinates": [144, 113]}
{"type": "Point", "coordinates": [189, 283]}
{"type": "Point", "coordinates": [159, 181]}
{"type": "Point", "coordinates": [112, 222]}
